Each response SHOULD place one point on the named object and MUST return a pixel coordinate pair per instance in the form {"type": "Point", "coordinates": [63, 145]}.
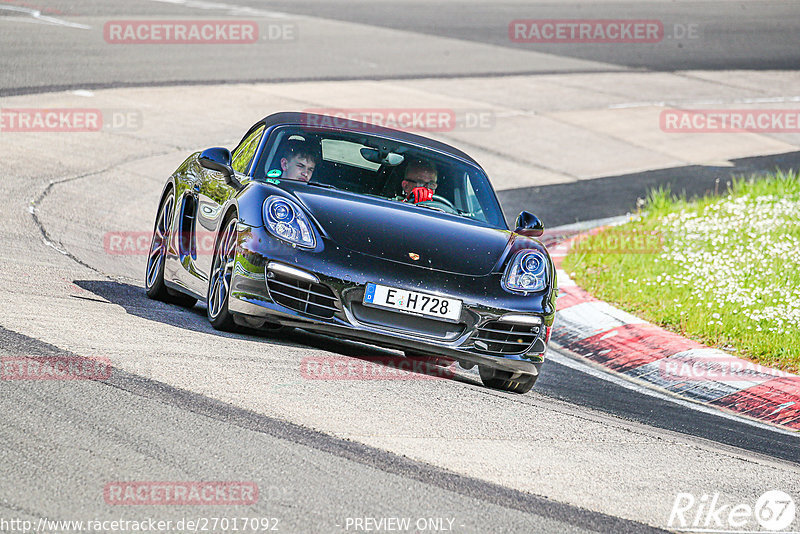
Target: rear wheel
{"type": "Point", "coordinates": [154, 275]}
{"type": "Point", "coordinates": [505, 380]}
{"type": "Point", "coordinates": [219, 284]}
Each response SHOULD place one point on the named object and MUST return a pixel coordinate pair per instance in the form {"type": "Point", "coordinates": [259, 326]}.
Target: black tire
{"type": "Point", "coordinates": [498, 379]}
{"type": "Point", "coordinates": [154, 274]}
{"type": "Point", "coordinates": [221, 273]}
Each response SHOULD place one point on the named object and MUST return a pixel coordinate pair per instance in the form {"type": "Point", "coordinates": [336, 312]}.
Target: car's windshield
{"type": "Point", "coordinates": [376, 166]}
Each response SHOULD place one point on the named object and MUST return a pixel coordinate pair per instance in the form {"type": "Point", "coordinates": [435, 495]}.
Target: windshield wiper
{"type": "Point", "coordinates": [326, 186]}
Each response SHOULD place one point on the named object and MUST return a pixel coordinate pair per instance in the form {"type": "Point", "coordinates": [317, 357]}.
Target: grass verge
{"type": "Point", "coordinates": [723, 270]}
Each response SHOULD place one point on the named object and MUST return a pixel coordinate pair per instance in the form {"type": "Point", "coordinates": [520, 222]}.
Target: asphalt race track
{"type": "Point", "coordinates": [584, 451]}
{"type": "Point", "coordinates": [727, 35]}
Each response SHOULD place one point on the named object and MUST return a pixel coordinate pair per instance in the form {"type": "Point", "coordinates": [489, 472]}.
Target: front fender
{"type": "Point", "coordinates": [250, 200]}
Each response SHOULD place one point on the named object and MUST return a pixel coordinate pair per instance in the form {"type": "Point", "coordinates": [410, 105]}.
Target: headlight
{"type": "Point", "coordinates": [527, 271]}
{"type": "Point", "coordinates": [285, 220]}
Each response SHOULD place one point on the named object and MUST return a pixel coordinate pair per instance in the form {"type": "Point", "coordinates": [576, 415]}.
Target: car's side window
{"type": "Point", "coordinates": [244, 153]}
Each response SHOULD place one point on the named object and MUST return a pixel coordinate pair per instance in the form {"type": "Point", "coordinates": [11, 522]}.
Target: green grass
{"type": "Point", "coordinates": [723, 270]}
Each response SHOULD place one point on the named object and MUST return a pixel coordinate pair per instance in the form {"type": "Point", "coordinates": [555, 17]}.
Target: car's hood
{"type": "Point", "coordinates": [400, 232]}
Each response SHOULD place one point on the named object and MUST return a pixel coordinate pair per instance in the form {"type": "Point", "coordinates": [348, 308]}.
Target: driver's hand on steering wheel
{"type": "Point", "coordinates": [420, 194]}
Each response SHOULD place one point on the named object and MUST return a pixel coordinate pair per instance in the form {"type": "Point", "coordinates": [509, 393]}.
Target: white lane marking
{"type": "Point", "coordinates": [595, 317]}
{"type": "Point", "coordinates": [578, 365]}
{"type": "Point", "coordinates": [781, 407]}
{"type": "Point", "coordinates": [706, 102]}
{"type": "Point", "coordinates": [563, 278]}
{"type": "Point", "coordinates": [83, 92]}
{"type": "Point", "coordinates": [588, 225]}
{"type": "Point", "coordinates": [232, 9]}
{"type": "Point", "coordinates": [44, 19]}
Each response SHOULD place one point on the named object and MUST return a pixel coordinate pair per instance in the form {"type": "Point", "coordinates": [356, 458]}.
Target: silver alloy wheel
{"type": "Point", "coordinates": [220, 284]}
{"type": "Point", "coordinates": [158, 245]}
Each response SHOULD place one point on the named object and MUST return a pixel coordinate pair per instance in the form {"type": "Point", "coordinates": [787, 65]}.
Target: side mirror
{"type": "Point", "coordinates": [219, 159]}
{"type": "Point", "coordinates": [529, 224]}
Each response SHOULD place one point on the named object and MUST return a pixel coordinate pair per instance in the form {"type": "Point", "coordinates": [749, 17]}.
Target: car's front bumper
{"type": "Point", "coordinates": [265, 267]}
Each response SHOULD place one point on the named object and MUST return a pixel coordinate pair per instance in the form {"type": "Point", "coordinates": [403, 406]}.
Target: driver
{"type": "Point", "coordinates": [298, 161]}
{"type": "Point", "coordinates": [419, 182]}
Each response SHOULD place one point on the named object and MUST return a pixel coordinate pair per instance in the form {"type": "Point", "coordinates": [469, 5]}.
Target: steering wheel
{"type": "Point", "coordinates": [443, 201]}
{"type": "Point", "coordinates": [439, 203]}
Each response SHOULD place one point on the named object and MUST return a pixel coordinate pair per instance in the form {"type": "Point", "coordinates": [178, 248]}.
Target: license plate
{"type": "Point", "coordinates": [412, 302]}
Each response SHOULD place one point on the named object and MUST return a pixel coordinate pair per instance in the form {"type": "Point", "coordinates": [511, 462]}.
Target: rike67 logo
{"type": "Point", "coordinates": [774, 512]}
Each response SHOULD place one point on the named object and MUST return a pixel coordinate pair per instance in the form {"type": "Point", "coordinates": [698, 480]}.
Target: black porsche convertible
{"type": "Point", "coordinates": [361, 232]}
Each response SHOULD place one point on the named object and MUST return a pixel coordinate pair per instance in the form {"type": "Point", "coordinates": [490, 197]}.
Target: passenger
{"type": "Point", "coordinates": [298, 161]}
{"type": "Point", "coordinates": [419, 182]}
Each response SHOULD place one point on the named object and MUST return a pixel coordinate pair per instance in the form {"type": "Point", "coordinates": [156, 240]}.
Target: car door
{"type": "Point", "coordinates": [214, 192]}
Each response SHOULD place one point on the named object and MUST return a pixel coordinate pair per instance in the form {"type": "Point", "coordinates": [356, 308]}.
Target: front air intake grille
{"type": "Point", "coordinates": [406, 323]}
{"type": "Point", "coordinates": [306, 297]}
{"type": "Point", "coordinates": [496, 337]}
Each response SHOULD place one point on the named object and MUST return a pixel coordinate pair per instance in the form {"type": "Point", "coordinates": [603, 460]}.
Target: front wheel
{"type": "Point", "coordinates": [219, 284]}
{"type": "Point", "coordinates": [498, 379]}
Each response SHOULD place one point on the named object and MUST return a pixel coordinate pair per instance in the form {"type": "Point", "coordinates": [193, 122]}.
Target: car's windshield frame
{"type": "Point", "coordinates": [475, 176]}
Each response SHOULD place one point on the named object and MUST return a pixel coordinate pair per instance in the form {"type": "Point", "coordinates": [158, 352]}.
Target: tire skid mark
{"type": "Point", "coordinates": [353, 451]}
